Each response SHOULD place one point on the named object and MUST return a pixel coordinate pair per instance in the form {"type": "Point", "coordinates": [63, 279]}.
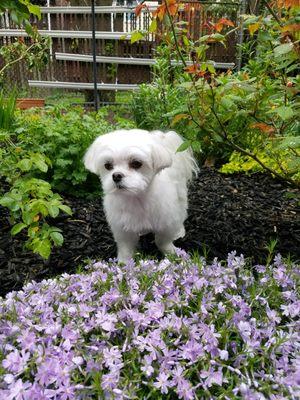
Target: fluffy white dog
{"type": "Point", "coordinates": [145, 186]}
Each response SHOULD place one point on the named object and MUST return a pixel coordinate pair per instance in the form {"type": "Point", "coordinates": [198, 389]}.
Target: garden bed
{"type": "Point", "coordinates": [227, 212]}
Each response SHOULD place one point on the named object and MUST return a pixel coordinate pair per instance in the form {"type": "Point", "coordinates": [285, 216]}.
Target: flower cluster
{"type": "Point", "coordinates": [180, 328]}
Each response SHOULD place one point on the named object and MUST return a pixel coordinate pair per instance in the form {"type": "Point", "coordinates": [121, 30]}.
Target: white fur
{"type": "Point", "coordinates": [152, 198]}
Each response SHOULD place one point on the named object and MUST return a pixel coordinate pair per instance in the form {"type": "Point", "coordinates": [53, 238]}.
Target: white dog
{"type": "Point", "coordinates": [145, 186]}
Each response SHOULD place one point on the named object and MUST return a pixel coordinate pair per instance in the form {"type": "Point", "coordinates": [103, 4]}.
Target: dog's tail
{"type": "Point", "coordinates": [184, 160]}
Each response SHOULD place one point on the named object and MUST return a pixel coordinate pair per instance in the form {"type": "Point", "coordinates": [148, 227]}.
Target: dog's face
{"type": "Point", "coordinates": [127, 161]}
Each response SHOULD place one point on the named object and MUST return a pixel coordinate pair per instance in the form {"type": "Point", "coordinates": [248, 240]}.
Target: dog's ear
{"type": "Point", "coordinates": [92, 156]}
{"type": "Point", "coordinates": [161, 157]}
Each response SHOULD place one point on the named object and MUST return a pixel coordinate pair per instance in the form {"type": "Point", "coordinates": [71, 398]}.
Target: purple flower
{"type": "Point", "coordinates": [15, 361]}
{"type": "Point", "coordinates": [245, 329]}
{"type": "Point", "coordinates": [163, 383]}
{"type": "Point", "coordinates": [212, 377]}
{"type": "Point", "coordinates": [106, 321]}
{"type": "Point", "coordinates": [155, 310]}
{"type": "Point", "coordinates": [110, 381]}
{"type": "Point", "coordinates": [184, 390]}
{"type": "Point", "coordinates": [172, 319]}
{"type": "Point", "coordinates": [113, 358]}
{"type": "Point", "coordinates": [17, 390]}
{"type": "Point", "coordinates": [192, 350]}
{"type": "Point", "coordinates": [147, 366]}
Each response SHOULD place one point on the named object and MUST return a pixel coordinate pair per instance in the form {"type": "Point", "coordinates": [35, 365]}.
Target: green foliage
{"type": "Point", "coordinates": [30, 200]}
{"type": "Point", "coordinates": [34, 55]}
{"type": "Point", "coordinates": [41, 150]}
{"type": "Point", "coordinates": [253, 113]}
{"type": "Point", "coordinates": [19, 11]}
{"type": "Point", "coordinates": [7, 110]}
{"type": "Point", "coordinates": [36, 52]}
{"type": "Point", "coordinates": [63, 138]}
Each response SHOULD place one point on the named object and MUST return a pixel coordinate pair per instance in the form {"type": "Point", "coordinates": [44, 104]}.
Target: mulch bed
{"type": "Point", "coordinates": [236, 212]}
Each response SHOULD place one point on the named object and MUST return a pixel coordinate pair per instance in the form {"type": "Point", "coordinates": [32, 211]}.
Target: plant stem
{"type": "Point", "coordinates": [175, 36]}
{"type": "Point", "coordinates": [9, 64]}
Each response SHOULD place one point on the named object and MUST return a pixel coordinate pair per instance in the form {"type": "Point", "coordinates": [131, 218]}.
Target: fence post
{"type": "Point", "coordinates": [96, 103]}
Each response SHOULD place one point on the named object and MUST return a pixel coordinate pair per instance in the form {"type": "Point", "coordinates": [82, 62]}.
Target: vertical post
{"type": "Point", "coordinates": [242, 11]}
{"type": "Point", "coordinates": [96, 102]}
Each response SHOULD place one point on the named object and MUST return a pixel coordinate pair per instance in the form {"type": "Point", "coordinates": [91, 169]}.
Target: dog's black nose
{"type": "Point", "coordinates": [117, 177]}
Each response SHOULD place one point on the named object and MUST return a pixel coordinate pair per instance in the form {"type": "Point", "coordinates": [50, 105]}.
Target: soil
{"type": "Point", "coordinates": [226, 212]}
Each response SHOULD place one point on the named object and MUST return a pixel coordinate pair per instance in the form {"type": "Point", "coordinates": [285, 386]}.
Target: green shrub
{"type": "Point", "coordinates": [63, 137]}
{"type": "Point", "coordinates": [30, 200]}
{"type": "Point", "coordinates": [43, 151]}
{"type": "Point", "coordinates": [7, 110]}
{"type": "Point", "coordinates": [253, 112]}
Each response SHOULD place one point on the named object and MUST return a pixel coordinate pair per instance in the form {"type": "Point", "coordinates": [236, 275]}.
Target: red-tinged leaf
{"type": "Point", "coordinates": [287, 3]}
{"type": "Point", "coordinates": [291, 28]}
{"type": "Point", "coordinates": [172, 7]}
{"type": "Point", "coordinates": [160, 12]}
{"type": "Point", "coordinates": [253, 28]}
{"type": "Point", "coordinates": [192, 69]}
{"type": "Point", "coordinates": [178, 118]}
{"type": "Point", "coordinates": [218, 27]}
{"type": "Point", "coordinates": [226, 22]}
{"type": "Point", "coordinates": [263, 128]}
{"type": "Point", "coordinates": [138, 9]}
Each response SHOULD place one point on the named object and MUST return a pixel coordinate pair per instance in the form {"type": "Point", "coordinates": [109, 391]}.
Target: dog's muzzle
{"type": "Point", "coordinates": [117, 177]}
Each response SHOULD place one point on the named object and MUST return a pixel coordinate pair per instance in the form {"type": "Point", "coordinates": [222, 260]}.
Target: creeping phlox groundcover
{"type": "Point", "coordinates": [180, 329]}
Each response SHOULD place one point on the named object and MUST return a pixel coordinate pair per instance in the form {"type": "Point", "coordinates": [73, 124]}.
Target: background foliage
{"type": "Point", "coordinates": [231, 117]}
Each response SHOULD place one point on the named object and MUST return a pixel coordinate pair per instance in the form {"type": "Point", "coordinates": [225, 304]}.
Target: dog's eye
{"type": "Point", "coordinates": [108, 166]}
{"type": "Point", "coordinates": [135, 164]}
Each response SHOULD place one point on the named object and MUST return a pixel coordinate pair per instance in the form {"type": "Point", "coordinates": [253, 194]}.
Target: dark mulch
{"type": "Point", "coordinates": [226, 213]}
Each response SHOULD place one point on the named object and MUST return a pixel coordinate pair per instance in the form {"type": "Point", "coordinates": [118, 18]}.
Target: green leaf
{"type": "Point", "coordinates": [186, 41]}
{"type": "Point", "coordinates": [53, 210]}
{"type": "Point", "coordinates": [25, 164]}
{"type": "Point", "coordinates": [283, 49]}
{"type": "Point", "coordinates": [283, 112]}
{"type": "Point", "coordinates": [215, 37]}
{"type": "Point", "coordinates": [42, 166]}
{"type": "Point", "coordinates": [136, 36]}
{"type": "Point", "coordinates": [27, 217]}
{"type": "Point", "coordinates": [196, 146]}
{"type": "Point", "coordinates": [17, 228]}
{"type": "Point", "coordinates": [9, 202]}
{"type": "Point", "coordinates": [33, 9]}
{"type": "Point", "coordinates": [211, 68]}
{"type": "Point", "coordinates": [66, 209]}
{"type": "Point", "coordinates": [153, 26]}
{"type": "Point", "coordinates": [184, 146]}
{"type": "Point", "coordinates": [42, 247]}
{"type": "Point", "coordinates": [57, 238]}
{"type": "Point", "coordinates": [289, 142]}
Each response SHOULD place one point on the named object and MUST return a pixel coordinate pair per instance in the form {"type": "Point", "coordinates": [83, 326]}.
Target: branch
{"type": "Point", "coordinates": [175, 36]}
{"type": "Point", "coordinates": [9, 64]}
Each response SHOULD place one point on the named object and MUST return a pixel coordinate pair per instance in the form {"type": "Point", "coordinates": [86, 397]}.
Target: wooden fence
{"type": "Point", "coordinates": [70, 30]}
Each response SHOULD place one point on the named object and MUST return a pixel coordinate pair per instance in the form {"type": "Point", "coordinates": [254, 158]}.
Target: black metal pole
{"type": "Point", "coordinates": [96, 103]}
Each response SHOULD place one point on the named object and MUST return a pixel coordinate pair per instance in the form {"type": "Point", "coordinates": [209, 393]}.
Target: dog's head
{"type": "Point", "coordinates": [127, 161]}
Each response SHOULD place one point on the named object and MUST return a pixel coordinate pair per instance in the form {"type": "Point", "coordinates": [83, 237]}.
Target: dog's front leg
{"type": "Point", "coordinates": [126, 243]}
{"type": "Point", "coordinates": [164, 241]}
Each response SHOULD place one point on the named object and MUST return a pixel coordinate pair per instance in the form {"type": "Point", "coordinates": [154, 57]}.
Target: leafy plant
{"type": "Point", "coordinates": [63, 137]}
{"type": "Point", "coordinates": [252, 112]}
{"type": "Point", "coordinates": [36, 52]}
{"type": "Point", "coordinates": [30, 200]}
{"type": "Point", "coordinates": [20, 11]}
{"type": "Point", "coordinates": [7, 110]}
